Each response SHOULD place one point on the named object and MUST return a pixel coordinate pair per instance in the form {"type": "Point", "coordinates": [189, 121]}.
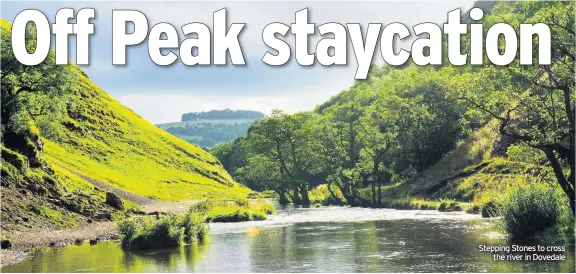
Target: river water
{"type": "Point", "coordinates": [330, 239]}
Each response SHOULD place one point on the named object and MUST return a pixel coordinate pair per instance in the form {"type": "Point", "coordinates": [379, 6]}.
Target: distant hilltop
{"type": "Point", "coordinates": [226, 114]}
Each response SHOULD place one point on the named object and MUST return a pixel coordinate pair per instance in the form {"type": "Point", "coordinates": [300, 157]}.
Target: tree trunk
{"type": "Point", "coordinates": [283, 199]}
{"type": "Point", "coordinates": [566, 185]}
{"type": "Point", "coordinates": [379, 193]}
{"type": "Point", "coordinates": [374, 179]}
{"type": "Point", "coordinates": [296, 197]}
{"type": "Point", "coordinates": [338, 201]}
{"type": "Point", "coordinates": [304, 193]}
{"type": "Point", "coordinates": [349, 198]}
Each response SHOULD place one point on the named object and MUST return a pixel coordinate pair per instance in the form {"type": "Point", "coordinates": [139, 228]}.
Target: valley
{"type": "Point", "coordinates": [412, 168]}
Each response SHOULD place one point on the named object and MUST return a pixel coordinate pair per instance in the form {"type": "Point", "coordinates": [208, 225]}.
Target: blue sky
{"type": "Point", "coordinates": [162, 94]}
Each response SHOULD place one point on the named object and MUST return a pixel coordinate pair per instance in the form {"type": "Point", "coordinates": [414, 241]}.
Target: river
{"type": "Point", "coordinates": [330, 239]}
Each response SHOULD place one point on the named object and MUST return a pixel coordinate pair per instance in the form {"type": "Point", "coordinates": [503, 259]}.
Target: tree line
{"type": "Point", "coordinates": [399, 121]}
{"type": "Point", "coordinates": [226, 114]}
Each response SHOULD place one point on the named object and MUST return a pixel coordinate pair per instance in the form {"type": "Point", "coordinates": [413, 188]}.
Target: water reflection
{"type": "Point", "coordinates": [391, 245]}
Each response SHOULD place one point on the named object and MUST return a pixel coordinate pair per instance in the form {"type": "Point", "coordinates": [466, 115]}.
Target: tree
{"type": "Point", "coordinates": [379, 136]}
{"type": "Point", "coordinates": [288, 141]}
{"type": "Point", "coordinates": [344, 115]}
{"type": "Point", "coordinates": [32, 96]}
{"type": "Point", "coordinates": [535, 104]}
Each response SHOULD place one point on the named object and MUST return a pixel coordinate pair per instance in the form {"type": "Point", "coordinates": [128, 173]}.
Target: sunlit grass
{"type": "Point", "coordinates": [106, 141]}
{"type": "Point", "coordinates": [240, 210]}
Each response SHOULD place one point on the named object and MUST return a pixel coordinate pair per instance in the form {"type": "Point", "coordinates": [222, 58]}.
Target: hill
{"type": "Point", "coordinates": [209, 128]}
{"type": "Point", "coordinates": [98, 146]}
{"type": "Point", "coordinates": [226, 114]}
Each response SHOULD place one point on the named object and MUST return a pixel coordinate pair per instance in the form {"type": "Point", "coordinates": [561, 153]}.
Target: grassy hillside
{"type": "Point", "coordinates": [99, 146]}
{"type": "Point", "coordinates": [106, 141]}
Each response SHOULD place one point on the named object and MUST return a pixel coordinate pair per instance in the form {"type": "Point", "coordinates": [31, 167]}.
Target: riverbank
{"type": "Point", "coordinates": [26, 242]}
{"type": "Point", "coordinates": [219, 211]}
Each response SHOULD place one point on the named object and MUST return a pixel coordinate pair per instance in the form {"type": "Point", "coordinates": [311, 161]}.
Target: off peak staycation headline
{"type": "Point", "coordinates": [203, 46]}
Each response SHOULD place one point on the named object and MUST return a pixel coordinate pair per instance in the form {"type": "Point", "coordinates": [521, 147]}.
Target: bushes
{"type": "Point", "coordinates": [240, 210]}
{"type": "Point", "coordinates": [262, 195]}
{"type": "Point", "coordinates": [410, 203]}
{"type": "Point", "coordinates": [264, 206]}
{"type": "Point", "coordinates": [534, 210]}
{"type": "Point", "coordinates": [449, 205]}
{"type": "Point", "coordinates": [320, 196]}
{"type": "Point", "coordinates": [165, 231]}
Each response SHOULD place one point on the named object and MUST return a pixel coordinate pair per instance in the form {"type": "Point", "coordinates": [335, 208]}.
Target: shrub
{"type": "Point", "coordinates": [473, 208]}
{"type": "Point", "coordinates": [194, 223]}
{"type": "Point", "coordinates": [264, 206]}
{"type": "Point", "coordinates": [449, 205]}
{"type": "Point", "coordinates": [264, 194]}
{"type": "Point", "coordinates": [242, 202]}
{"type": "Point", "coordinates": [149, 233]}
{"type": "Point", "coordinates": [532, 210]}
{"type": "Point", "coordinates": [165, 231]}
{"type": "Point", "coordinates": [240, 211]}
{"type": "Point", "coordinates": [321, 196]}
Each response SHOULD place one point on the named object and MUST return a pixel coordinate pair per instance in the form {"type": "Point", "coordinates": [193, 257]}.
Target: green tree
{"type": "Point", "coordinates": [535, 103]}
{"type": "Point", "coordinates": [379, 138]}
{"type": "Point", "coordinates": [288, 141]}
{"type": "Point", "coordinates": [344, 114]}
{"type": "Point", "coordinates": [33, 97]}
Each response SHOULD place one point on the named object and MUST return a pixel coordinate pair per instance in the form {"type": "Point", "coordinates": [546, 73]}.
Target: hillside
{"type": "Point", "coordinates": [207, 129]}
{"type": "Point", "coordinates": [100, 146]}
{"type": "Point", "coordinates": [104, 140]}
{"type": "Point", "coordinates": [479, 170]}
{"type": "Point", "coordinates": [226, 114]}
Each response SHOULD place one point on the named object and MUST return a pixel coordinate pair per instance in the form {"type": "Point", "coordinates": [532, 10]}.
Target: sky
{"type": "Point", "coordinates": [162, 94]}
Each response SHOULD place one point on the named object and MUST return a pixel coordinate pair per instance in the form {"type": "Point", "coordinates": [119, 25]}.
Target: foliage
{"type": "Point", "coordinates": [532, 210]}
{"type": "Point", "coordinates": [32, 95]}
{"type": "Point", "coordinates": [449, 205]}
{"type": "Point", "coordinates": [232, 155]}
{"type": "Point", "coordinates": [321, 196]}
{"type": "Point", "coordinates": [208, 133]}
{"type": "Point", "coordinates": [240, 211]}
{"type": "Point", "coordinates": [164, 231]}
{"type": "Point", "coordinates": [534, 104]}
{"type": "Point", "coordinates": [283, 155]}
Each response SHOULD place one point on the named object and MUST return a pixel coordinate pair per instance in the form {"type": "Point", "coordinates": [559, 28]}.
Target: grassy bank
{"type": "Point", "coordinates": [240, 211]}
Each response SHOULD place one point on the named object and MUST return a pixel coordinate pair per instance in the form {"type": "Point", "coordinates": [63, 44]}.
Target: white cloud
{"type": "Point", "coordinates": [309, 89]}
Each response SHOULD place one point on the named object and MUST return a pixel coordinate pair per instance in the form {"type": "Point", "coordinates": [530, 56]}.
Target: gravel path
{"type": "Point", "coordinates": [122, 193]}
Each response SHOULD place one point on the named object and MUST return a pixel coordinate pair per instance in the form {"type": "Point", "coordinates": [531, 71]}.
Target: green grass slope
{"type": "Point", "coordinates": [103, 140]}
